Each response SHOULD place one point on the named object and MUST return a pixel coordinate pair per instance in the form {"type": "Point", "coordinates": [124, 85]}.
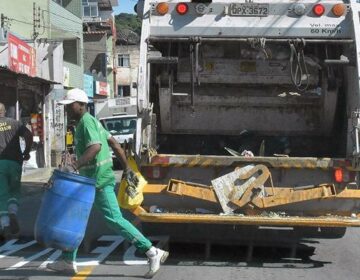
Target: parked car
{"type": "Point", "coordinates": [122, 128]}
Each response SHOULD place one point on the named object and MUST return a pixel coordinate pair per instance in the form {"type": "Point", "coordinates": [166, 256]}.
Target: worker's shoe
{"type": "Point", "coordinates": [14, 226]}
{"type": "Point", "coordinates": [6, 233]}
{"type": "Point", "coordinates": [63, 266]}
{"type": "Point", "coordinates": [156, 257]}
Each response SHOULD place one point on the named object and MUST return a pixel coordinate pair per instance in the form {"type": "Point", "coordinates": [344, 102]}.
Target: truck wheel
{"type": "Point", "coordinates": [332, 232]}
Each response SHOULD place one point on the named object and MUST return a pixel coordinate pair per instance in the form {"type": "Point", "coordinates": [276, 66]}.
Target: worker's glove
{"type": "Point", "coordinates": [132, 182]}
{"type": "Point", "coordinates": [26, 156]}
{"type": "Point", "coordinates": [68, 168]}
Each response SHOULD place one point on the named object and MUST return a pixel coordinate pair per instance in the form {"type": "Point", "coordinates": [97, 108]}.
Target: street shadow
{"type": "Point", "coordinates": [294, 256]}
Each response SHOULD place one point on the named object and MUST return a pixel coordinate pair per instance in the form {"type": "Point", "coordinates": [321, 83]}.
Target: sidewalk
{"type": "Point", "coordinates": [37, 176]}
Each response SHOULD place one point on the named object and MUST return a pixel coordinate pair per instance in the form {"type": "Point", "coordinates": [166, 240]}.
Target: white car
{"type": "Point", "coordinates": [121, 127]}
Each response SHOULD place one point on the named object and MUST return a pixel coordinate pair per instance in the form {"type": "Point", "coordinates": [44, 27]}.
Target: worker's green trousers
{"type": "Point", "coordinates": [106, 202]}
{"type": "Point", "coordinates": [10, 184]}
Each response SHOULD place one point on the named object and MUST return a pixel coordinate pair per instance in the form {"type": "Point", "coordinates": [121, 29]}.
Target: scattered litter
{"type": "Point", "coordinates": [155, 209]}
{"type": "Point", "coordinates": [272, 214]}
{"type": "Point", "coordinates": [246, 153]}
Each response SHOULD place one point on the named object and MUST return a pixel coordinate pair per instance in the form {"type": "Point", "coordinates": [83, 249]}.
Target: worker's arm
{"type": "Point", "coordinates": [129, 175]}
{"type": "Point", "coordinates": [89, 154]}
{"type": "Point", "coordinates": [28, 137]}
{"type": "Point", "coordinates": [119, 152]}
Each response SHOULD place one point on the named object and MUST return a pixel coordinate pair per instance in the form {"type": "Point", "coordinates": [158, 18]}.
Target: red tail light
{"type": "Point", "coordinates": [344, 176]}
{"type": "Point", "coordinates": [319, 10]}
{"type": "Point", "coordinates": [339, 175]}
{"type": "Point", "coordinates": [153, 172]}
{"type": "Point", "coordinates": [182, 8]}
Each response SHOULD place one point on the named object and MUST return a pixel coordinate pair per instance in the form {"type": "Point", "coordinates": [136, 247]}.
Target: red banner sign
{"type": "Point", "coordinates": [22, 57]}
{"type": "Point", "coordinates": [102, 88]}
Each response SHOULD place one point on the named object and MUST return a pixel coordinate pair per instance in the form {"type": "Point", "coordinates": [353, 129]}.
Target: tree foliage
{"type": "Point", "coordinates": [125, 21]}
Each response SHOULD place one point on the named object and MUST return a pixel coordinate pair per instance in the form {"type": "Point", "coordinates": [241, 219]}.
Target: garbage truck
{"type": "Point", "coordinates": [250, 113]}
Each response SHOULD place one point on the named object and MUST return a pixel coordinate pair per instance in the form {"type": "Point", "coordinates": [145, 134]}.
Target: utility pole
{"type": "Point", "coordinates": [4, 26]}
{"type": "Point", "coordinates": [4, 20]}
{"type": "Point", "coordinates": [36, 21]}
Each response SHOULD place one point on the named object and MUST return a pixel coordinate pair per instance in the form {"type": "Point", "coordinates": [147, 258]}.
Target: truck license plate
{"type": "Point", "coordinates": [249, 9]}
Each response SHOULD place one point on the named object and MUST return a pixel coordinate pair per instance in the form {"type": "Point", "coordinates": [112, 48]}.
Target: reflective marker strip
{"type": "Point", "coordinates": [108, 160]}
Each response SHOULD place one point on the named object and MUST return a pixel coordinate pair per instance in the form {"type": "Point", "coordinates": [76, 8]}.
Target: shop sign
{"type": "Point", "coordinates": [122, 102]}
{"type": "Point", "coordinates": [89, 85]}
{"type": "Point", "coordinates": [22, 57]}
{"type": "Point", "coordinates": [102, 88]}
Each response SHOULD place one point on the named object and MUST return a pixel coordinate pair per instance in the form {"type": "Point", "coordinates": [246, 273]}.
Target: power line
{"type": "Point", "coordinates": [61, 16]}
{"type": "Point", "coordinates": [44, 10]}
{"type": "Point", "coordinates": [47, 27]}
{"type": "Point", "coordinates": [59, 29]}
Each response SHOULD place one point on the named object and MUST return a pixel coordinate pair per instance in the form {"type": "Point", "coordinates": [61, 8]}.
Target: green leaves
{"type": "Point", "coordinates": [125, 22]}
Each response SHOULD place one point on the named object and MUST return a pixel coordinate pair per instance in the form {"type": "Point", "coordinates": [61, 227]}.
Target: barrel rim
{"type": "Point", "coordinates": [74, 177]}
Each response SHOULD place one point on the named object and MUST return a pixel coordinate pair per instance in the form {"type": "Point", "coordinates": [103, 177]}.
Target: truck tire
{"type": "Point", "coordinates": [332, 232]}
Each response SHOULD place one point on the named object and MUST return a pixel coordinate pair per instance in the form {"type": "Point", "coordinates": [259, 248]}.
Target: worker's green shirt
{"type": "Point", "coordinates": [89, 131]}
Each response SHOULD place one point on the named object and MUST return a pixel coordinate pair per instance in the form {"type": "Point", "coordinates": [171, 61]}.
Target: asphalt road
{"type": "Point", "coordinates": [106, 256]}
{"type": "Point", "coordinates": [321, 259]}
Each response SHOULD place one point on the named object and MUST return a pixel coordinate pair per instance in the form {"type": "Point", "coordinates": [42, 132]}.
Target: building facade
{"type": "Point", "coordinates": [99, 46]}
{"type": "Point", "coordinates": [127, 64]}
{"type": "Point", "coordinates": [45, 33]}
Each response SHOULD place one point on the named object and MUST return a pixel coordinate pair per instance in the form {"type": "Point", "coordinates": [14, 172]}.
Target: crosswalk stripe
{"type": "Point", "coordinates": [29, 259]}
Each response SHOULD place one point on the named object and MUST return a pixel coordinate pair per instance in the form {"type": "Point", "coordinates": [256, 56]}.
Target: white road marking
{"type": "Point", "coordinates": [10, 248]}
{"type": "Point", "coordinates": [29, 259]}
{"type": "Point", "coordinates": [54, 256]}
{"type": "Point", "coordinates": [103, 251]}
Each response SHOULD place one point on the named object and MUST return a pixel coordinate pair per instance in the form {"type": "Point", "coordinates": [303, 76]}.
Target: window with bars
{"type": "Point", "coordinates": [86, 2]}
{"type": "Point", "coordinates": [123, 60]}
{"type": "Point", "coordinates": [90, 9]}
{"type": "Point", "coordinates": [123, 91]}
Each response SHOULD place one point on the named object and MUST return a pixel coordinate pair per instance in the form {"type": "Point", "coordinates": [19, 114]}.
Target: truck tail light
{"type": "Point", "coordinates": [162, 8]}
{"type": "Point", "coordinates": [344, 176]}
{"type": "Point", "coordinates": [338, 9]}
{"type": "Point", "coordinates": [319, 10]}
{"type": "Point", "coordinates": [338, 175]}
{"type": "Point", "coordinates": [182, 8]}
{"type": "Point", "coordinates": [153, 172]}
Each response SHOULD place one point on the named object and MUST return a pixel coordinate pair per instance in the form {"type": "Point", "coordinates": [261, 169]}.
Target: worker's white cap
{"type": "Point", "coordinates": [75, 95]}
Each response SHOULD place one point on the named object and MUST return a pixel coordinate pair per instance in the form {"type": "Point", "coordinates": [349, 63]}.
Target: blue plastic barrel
{"type": "Point", "coordinates": [64, 211]}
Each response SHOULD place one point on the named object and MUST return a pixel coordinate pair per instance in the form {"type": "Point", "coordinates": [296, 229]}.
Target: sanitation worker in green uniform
{"type": "Point", "coordinates": [11, 160]}
{"type": "Point", "coordinates": [94, 160]}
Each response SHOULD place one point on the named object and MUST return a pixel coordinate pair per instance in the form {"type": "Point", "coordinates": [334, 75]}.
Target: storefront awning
{"type": "Point", "coordinates": [11, 76]}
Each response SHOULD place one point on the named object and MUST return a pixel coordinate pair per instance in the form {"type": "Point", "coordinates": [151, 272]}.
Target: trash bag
{"type": "Point", "coordinates": [124, 198]}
